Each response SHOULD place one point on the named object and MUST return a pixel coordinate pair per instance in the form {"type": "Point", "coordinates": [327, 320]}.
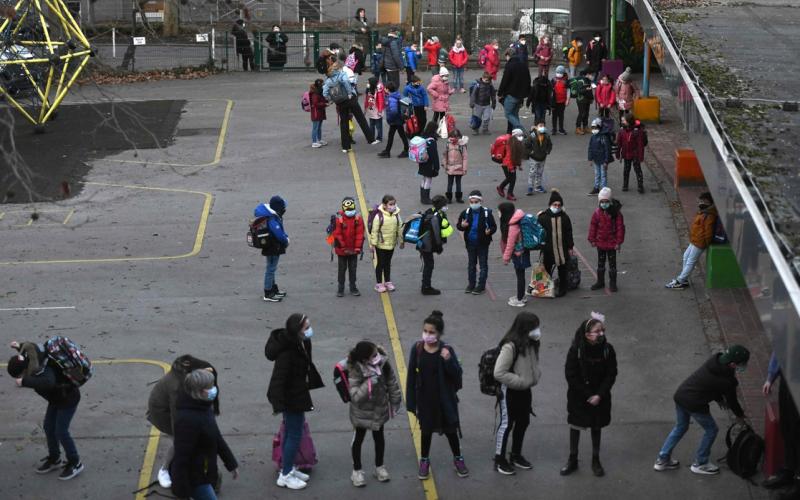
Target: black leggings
{"type": "Point", "coordinates": [558, 117]}
{"type": "Point", "coordinates": [452, 439]}
{"type": "Point", "coordinates": [575, 437]}
{"type": "Point", "coordinates": [347, 263]}
{"type": "Point", "coordinates": [401, 132]}
{"type": "Point", "coordinates": [345, 110]}
{"type": "Point", "coordinates": [515, 417]}
{"type": "Point", "coordinates": [358, 440]}
{"type": "Point", "coordinates": [520, 271]}
{"type": "Point", "coordinates": [438, 115]}
{"type": "Point", "coordinates": [612, 260]}
{"type": "Point", "coordinates": [383, 267]}
{"type": "Point", "coordinates": [583, 114]}
{"type": "Point", "coordinates": [510, 180]}
{"type": "Point", "coordinates": [450, 180]}
{"type": "Point", "coordinates": [422, 118]}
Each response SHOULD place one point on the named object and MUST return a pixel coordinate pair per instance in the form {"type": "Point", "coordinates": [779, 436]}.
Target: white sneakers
{"type": "Point", "coordinates": [513, 302]}
{"type": "Point", "coordinates": [291, 480]}
{"type": "Point", "coordinates": [316, 145]}
{"type": "Point", "coordinates": [164, 480]}
{"type": "Point", "coordinates": [357, 478]}
{"type": "Point", "coordinates": [706, 469]}
{"type": "Point", "coordinates": [381, 474]}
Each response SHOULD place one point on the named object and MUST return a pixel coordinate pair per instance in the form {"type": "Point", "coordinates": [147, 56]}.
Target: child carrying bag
{"type": "Point", "coordinates": [306, 457]}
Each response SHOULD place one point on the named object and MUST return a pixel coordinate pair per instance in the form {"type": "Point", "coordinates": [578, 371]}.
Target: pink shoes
{"type": "Point", "coordinates": [389, 286]}
{"type": "Point", "coordinates": [380, 288]}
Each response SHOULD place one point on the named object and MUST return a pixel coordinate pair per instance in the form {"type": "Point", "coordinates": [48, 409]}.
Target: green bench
{"type": "Point", "coordinates": [722, 269]}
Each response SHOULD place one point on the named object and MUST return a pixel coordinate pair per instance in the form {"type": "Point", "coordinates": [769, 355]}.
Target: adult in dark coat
{"type": "Point", "coordinates": [276, 50]}
{"type": "Point", "coordinates": [514, 88]}
{"type": "Point", "coordinates": [243, 46]}
{"type": "Point", "coordinates": [596, 52]}
{"type": "Point", "coordinates": [716, 381]}
{"type": "Point", "coordinates": [392, 57]}
{"type": "Point", "coordinates": [591, 370]}
{"type": "Point", "coordinates": [559, 244]}
{"type": "Point", "coordinates": [198, 440]}
{"type": "Point", "coordinates": [162, 405]}
{"type": "Point", "coordinates": [293, 377]}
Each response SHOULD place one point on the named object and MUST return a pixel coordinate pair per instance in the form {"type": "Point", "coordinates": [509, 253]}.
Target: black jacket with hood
{"type": "Point", "coordinates": [48, 380]}
{"type": "Point", "coordinates": [289, 385]}
{"type": "Point", "coordinates": [713, 381]}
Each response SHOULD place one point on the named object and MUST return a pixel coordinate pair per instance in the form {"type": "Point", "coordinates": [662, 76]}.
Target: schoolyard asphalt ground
{"type": "Point", "coordinates": [153, 264]}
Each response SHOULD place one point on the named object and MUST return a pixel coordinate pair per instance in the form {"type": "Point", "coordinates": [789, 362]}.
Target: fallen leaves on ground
{"type": "Point", "coordinates": [121, 77]}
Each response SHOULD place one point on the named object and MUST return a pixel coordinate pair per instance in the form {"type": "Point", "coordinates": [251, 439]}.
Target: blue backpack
{"type": "Point", "coordinates": [412, 231]}
{"type": "Point", "coordinates": [533, 234]}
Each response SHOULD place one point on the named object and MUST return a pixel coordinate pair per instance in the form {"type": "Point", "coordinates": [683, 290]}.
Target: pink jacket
{"type": "Point", "coordinates": [606, 232]}
{"type": "Point", "coordinates": [455, 156]}
{"type": "Point", "coordinates": [543, 54]}
{"type": "Point", "coordinates": [626, 93]}
{"type": "Point", "coordinates": [439, 92]}
{"type": "Point", "coordinates": [514, 235]}
{"type": "Point", "coordinates": [604, 96]}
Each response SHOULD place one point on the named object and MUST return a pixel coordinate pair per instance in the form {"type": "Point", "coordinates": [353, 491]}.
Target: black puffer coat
{"type": "Point", "coordinates": [162, 403]}
{"type": "Point", "coordinates": [713, 381]}
{"type": "Point", "coordinates": [288, 386]}
{"type": "Point", "coordinates": [590, 369]}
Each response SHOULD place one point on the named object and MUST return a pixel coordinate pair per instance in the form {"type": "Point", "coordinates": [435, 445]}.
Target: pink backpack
{"type": "Point", "coordinates": [418, 149]}
{"type": "Point", "coordinates": [306, 457]}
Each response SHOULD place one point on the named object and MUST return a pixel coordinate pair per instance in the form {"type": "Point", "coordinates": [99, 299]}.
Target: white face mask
{"type": "Point", "coordinates": [519, 137]}
{"type": "Point", "coordinates": [597, 39]}
{"type": "Point", "coordinates": [536, 334]}
{"type": "Point", "coordinates": [444, 208]}
{"type": "Point", "coordinates": [475, 206]}
{"type": "Point", "coordinates": [595, 131]}
{"type": "Point", "coordinates": [542, 130]}
{"type": "Point", "coordinates": [555, 210]}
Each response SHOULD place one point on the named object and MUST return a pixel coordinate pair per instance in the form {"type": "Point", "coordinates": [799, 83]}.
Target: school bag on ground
{"type": "Point", "coordinates": [533, 234]}
{"type": "Point", "coordinates": [499, 148]}
{"type": "Point", "coordinates": [488, 384]}
{"type": "Point", "coordinates": [305, 102]}
{"type": "Point", "coordinates": [542, 285]}
{"type": "Point", "coordinates": [341, 381]}
{"type": "Point", "coordinates": [573, 273]}
{"type": "Point", "coordinates": [745, 450]}
{"type": "Point", "coordinates": [306, 457]}
{"type": "Point", "coordinates": [69, 358]}
{"type": "Point", "coordinates": [418, 149]}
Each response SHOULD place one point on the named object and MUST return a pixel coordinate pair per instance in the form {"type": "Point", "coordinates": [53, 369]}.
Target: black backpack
{"type": "Point", "coordinates": [745, 451]}
{"type": "Point", "coordinates": [488, 384]}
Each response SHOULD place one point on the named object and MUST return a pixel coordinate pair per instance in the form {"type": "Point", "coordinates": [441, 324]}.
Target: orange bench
{"type": "Point", "coordinates": [687, 169]}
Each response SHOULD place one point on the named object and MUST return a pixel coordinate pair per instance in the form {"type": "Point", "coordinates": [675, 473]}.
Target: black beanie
{"type": "Point", "coordinates": [556, 196]}
{"type": "Point", "coordinates": [17, 365]}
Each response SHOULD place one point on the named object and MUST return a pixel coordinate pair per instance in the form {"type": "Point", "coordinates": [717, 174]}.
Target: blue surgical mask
{"type": "Point", "coordinates": [555, 210]}
{"type": "Point", "coordinates": [604, 205]}
{"type": "Point", "coordinates": [309, 333]}
{"type": "Point", "coordinates": [475, 206]}
{"type": "Point", "coordinates": [350, 213]}
{"type": "Point", "coordinates": [741, 368]}
{"type": "Point", "coordinates": [536, 334]}
{"type": "Point", "coordinates": [212, 393]}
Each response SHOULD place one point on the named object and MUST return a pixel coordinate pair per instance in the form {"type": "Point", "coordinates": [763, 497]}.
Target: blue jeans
{"type": "Point", "coordinates": [316, 131]}
{"type": "Point", "coordinates": [376, 126]}
{"type": "Point", "coordinates": [269, 274]}
{"type": "Point", "coordinates": [690, 257]}
{"type": "Point", "coordinates": [511, 107]}
{"type": "Point", "coordinates": [56, 428]}
{"type": "Point", "coordinates": [477, 256]}
{"type": "Point", "coordinates": [705, 420]}
{"type": "Point", "coordinates": [293, 423]}
{"type": "Point", "coordinates": [458, 78]}
{"type": "Point", "coordinates": [600, 175]}
{"type": "Point", "coordinates": [539, 112]}
{"type": "Point", "coordinates": [204, 492]}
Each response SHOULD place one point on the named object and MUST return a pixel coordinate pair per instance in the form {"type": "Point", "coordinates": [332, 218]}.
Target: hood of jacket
{"type": "Point", "coordinates": [518, 215]}
{"type": "Point", "coordinates": [278, 342]}
{"type": "Point", "coordinates": [264, 210]}
{"type": "Point", "coordinates": [458, 49]}
{"type": "Point", "coordinates": [712, 210]}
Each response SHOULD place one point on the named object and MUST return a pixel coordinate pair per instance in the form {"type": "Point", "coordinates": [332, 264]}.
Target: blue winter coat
{"type": "Point", "coordinates": [377, 62]}
{"type": "Point", "coordinates": [411, 58]}
{"type": "Point", "coordinates": [450, 382]}
{"type": "Point", "coordinates": [393, 116]}
{"type": "Point", "coordinates": [599, 148]}
{"type": "Point", "coordinates": [275, 224]}
{"type": "Point", "coordinates": [419, 95]}
{"type": "Point", "coordinates": [335, 79]}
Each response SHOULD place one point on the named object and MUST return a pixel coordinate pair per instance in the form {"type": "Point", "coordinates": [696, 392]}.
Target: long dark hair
{"type": "Point", "coordinates": [362, 352]}
{"type": "Point", "coordinates": [506, 210]}
{"type": "Point", "coordinates": [519, 333]}
{"type": "Point", "coordinates": [580, 334]}
{"type": "Point", "coordinates": [436, 319]}
{"type": "Point", "coordinates": [430, 131]}
{"type": "Point", "coordinates": [294, 325]}
{"type": "Point", "coordinates": [517, 148]}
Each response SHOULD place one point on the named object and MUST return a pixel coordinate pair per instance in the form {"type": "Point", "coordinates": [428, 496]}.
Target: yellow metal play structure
{"type": "Point", "coordinates": [42, 52]}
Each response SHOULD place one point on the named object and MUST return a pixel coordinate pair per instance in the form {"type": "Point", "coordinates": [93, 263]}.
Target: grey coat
{"type": "Point", "coordinates": [523, 375]}
{"type": "Point", "coordinates": [373, 400]}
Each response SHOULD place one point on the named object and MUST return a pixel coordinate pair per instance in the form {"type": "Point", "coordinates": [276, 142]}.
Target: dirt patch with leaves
{"type": "Point", "coordinates": [117, 77]}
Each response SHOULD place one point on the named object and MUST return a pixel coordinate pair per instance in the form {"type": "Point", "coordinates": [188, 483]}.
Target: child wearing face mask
{"type": "Point", "coordinates": [512, 249]}
{"type": "Point", "coordinates": [604, 97]}
{"type": "Point", "coordinates": [607, 233]}
{"type": "Point", "coordinates": [559, 246]}
{"type": "Point", "coordinates": [348, 241]}
{"type": "Point", "coordinates": [375, 397]}
{"type": "Point", "coordinates": [701, 234]}
{"type": "Point", "coordinates": [455, 163]}
{"type": "Point", "coordinates": [539, 146]}
{"type": "Point", "coordinates": [599, 155]}
{"type": "Point", "coordinates": [419, 100]}
{"type": "Point", "coordinates": [478, 225]}
{"type": "Point", "coordinates": [512, 158]}
{"type": "Point", "coordinates": [434, 378]}
{"type": "Point", "coordinates": [385, 232]}
{"type": "Point", "coordinates": [482, 100]}
{"type": "Point", "coordinates": [517, 371]}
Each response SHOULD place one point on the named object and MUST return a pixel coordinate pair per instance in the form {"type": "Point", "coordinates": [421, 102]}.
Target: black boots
{"type": "Point", "coordinates": [459, 197]}
{"type": "Point", "coordinates": [449, 197]}
{"type": "Point", "coordinates": [601, 279]}
{"type": "Point", "coordinates": [612, 279]}
{"type": "Point", "coordinates": [597, 467]}
{"type": "Point", "coordinates": [640, 181]}
{"type": "Point", "coordinates": [571, 466]}
{"type": "Point", "coordinates": [430, 291]}
{"type": "Point", "coordinates": [425, 196]}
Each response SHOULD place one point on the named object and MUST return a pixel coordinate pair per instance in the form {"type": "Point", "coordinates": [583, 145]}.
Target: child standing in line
{"type": "Point", "coordinates": [412, 60]}
{"type": "Point", "coordinates": [512, 155]}
{"type": "Point", "coordinates": [429, 169]}
{"type": "Point", "coordinates": [440, 91]}
{"type": "Point", "coordinates": [543, 56]}
{"type": "Point", "coordinates": [455, 163]}
{"type": "Point", "coordinates": [374, 104]}
{"type": "Point", "coordinates": [432, 46]}
{"type": "Point", "coordinates": [318, 105]}
{"type": "Point", "coordinates": [607, 233]}
{"type": "Point", "coordinates": [632, 139]}
{"type": "Point", "coordinates": [539, 146]}
{"type": "Point", "coordinates": [605, 97]}
{"type": "Point", "coordinates": [434, 378]}
{"type": "Point", "coordinates": [482, 100]}
{"type": "Point", "coordinates": [375, 397]}
{"type": "Point", "coordinates": [348, 240]}
{"type": "Point", "coordinates": [385, 232]}
{"type": "Point", "coordinates": [458, 58]}
{"type": "Point", "coordinates": [513, 251]}
{"type": "Point", "coordinates": [419, 99]}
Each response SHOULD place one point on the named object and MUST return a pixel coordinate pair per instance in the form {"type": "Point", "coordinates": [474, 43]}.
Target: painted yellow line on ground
{"type": "Point", "coordinates": [146, 473]}
{"type": "Point", "coordinates": [68, 217]}
{"type": "Point", "coordinates": [428, 485]}
{"type": "Point", "coordinates": [198, 239]}
{"type": "Point", "coordinates": [223, 132]}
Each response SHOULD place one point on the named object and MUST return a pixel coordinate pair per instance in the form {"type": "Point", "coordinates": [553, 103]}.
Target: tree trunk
{"type": "Point", "coordinates": [171, 18]}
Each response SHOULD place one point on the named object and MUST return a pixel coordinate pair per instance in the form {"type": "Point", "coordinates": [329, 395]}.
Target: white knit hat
{"type": "Point", "coordinates": [443, 71]}
{"type": "Point", "coordinates": [604, 194]}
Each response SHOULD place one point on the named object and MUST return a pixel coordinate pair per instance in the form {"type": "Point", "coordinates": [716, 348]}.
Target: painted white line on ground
{"type": "Point", "coordinates": [54, 308]}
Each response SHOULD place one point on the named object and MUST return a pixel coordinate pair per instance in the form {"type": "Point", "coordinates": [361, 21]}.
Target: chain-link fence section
{"type": "Point", "coordinates": [122, 52]}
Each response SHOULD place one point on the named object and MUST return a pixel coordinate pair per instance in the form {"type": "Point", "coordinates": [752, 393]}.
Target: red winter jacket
{"type": "Point", "coordinates": [317, 106]}
{"type": "Point", "coordinates": [492, 65]}
{"type": "Point", "coordinates": [432, 48]}
{"type": "Point", "coordinates": [459, 57]}
{"type": "Point", "coordinates": [543, 54]}
{"type": "Point", "coordinates": [604, 96]}
{"type": "Point", "coordinates": [348, 235]}
{"type": "Point", "coordinates": [631, 142]}
{"type": "Point", "coordinates": [606, 232]}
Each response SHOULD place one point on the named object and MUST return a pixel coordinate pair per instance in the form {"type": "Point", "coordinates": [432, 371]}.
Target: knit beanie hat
{"type": "Point", "coordinates": [626, 75]}
{"type": "Point", "coordinates": [348, 203]}
{"type": "Point", "coordinates": [476, 194]}
{"type": "Point", "coordinates": [560, 70]}
{"type": "Point", "coordinates": [555, 196]}
{"type": "Point", "coordinates": [518, 132]}
{"type": "Point", "coordinates": [735, 353]}
{"type": "Point", "coordinates": [278, 204]}
{"type": "Point", "coordinates": [604, 194]}
{"type": "Point", "coordinates": [17, 365]}
{"type": "Point", "coordinates": [443, 71]}
{"type": "Point", "coordinates": [435, 38]}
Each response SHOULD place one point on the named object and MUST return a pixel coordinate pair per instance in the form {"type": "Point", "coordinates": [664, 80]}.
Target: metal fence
{"type": "Point", "coordinates": [119, 52]}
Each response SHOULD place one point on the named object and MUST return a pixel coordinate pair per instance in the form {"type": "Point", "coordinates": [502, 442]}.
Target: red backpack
{"type": "Point", "coordinates": [483, 56]}
{"type": "Point", "coordinates": [499, 148]}
{"type": "Point", "coordinates": [560, 90]}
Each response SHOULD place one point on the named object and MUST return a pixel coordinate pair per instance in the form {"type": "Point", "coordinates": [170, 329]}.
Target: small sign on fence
{"type": "Point", "coordinates": [139, 40]}
{"type": "Point", "coordinates": [201, 37]}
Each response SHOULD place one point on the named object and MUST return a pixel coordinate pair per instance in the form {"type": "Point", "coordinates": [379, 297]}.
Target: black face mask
{"type": "Point", "coordinates": [703, 206]}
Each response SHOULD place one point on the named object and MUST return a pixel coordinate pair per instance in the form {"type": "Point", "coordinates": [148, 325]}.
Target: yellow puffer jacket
{"type": "Point", "coordinates": [388, 234]}
{"type": "Point", "coordinates": [574, 54]}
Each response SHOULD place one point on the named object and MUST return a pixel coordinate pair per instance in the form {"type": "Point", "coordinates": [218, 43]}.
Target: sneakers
{"type": "Point", "coordinates": [562, 132]}
{"type": "Point", "coordinates": [322, 143]}
{"type": "Point", "coordinates": [290, 481]}
{"type": "Point", "coordinates": [340, 292]}
{"type": "Point", "coordinates": [300, 475]}
{"type": "Point", "coordinates": [540, 189]}
{"type": "Point", "coordinates": [376, 141]}
{"type": "Point", "coordinates": [345, 151]}
{"type": "Point", "coordinates": [164, 479]}
{"type": "Point", "coordinates": [529, 192]}
{"type": "Point", "coordinates": [706, 469]}
{"type": "Point", "coordinates": [469, 289]}
{"type": "Point", "coordinates": [70, 471]}
{"type": "Point", "coordinates": [357, 478]}
{"type": "Point", "coordinates": [316, 145]}
{"type": "Point", "coordinates": [354, 291]}
{"type": "Point", "coordinates": [479, 290]}
{"type": "Point", "coordinates": [513, 302]}
{"type": "Point", "coordinates": [666, 464]}
{"type": "Point", "coordinates": [460, 466]}
{"type": "Point", "coordinates": [511, 197]}
{"type": "Point", "coordinates": [502, 466]}
{"type": "Point", "coordinates": [381, 474]}
{"type": "Point", "coordinates": [384, 154]}
{"type": "Point", "coordinates": [424, 468]}
{"type": "Point", "coordinates": [501, 191]}
{"type": "Point", "coordinates": [389, 286]}
{"type": "Point", "coordinates": [49, 464]}
{"type": "Point", "coordinates": [380, 287]}
{"type": "Point", "coordinates": [519, 461]}
{"type": "Point", "coordinates": [271, 296]}
{"type": "Point", "coordinates": [676, 285]}
{"type": "Point", "coordinates": [431, 291]}
{"type": "Point", "coordinates": [403, 154]}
